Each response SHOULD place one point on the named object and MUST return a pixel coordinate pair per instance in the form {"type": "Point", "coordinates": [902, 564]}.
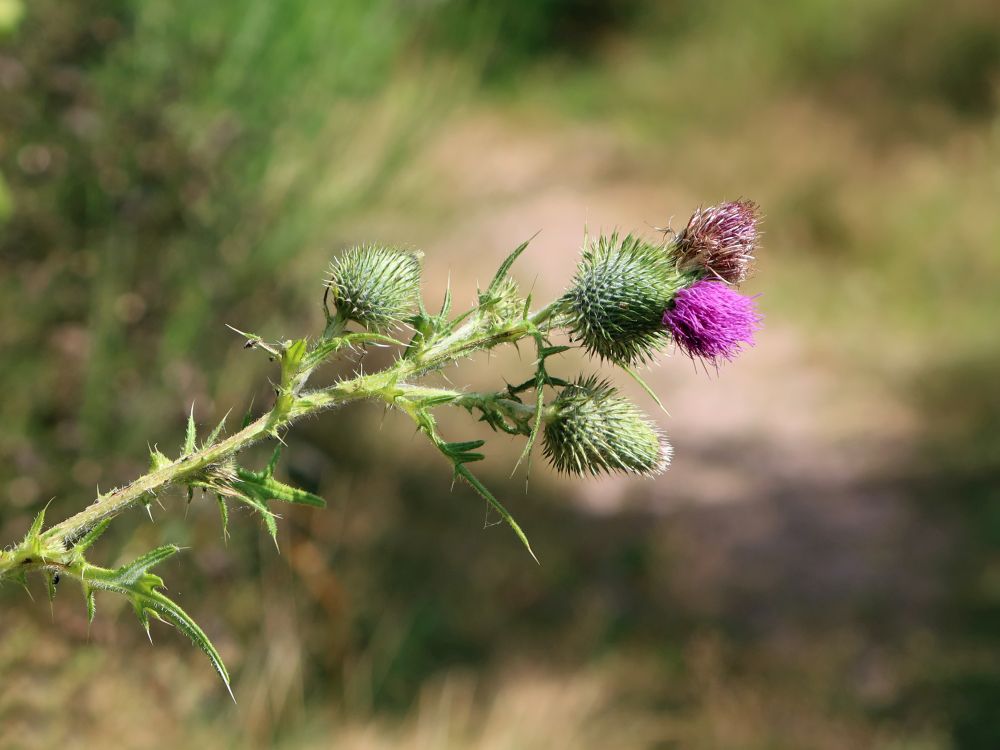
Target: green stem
{"type": "Point", "coordinates": [388, 385]}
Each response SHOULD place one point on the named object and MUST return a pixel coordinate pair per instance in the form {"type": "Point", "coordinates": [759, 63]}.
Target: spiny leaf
{"type": "Point", "coordinates": [21, 577]}
{"type": "Point", "coordinates": [328, 347]}
{"type": "Point", "coordinates": [88, 594]}
{"type": "Point", "coordinates": [189, 436]}
{"type": "Point", "coordinates": [214, 434]}
{"type": "Point", "coordinates": [505, 267]}
{"type": "Point", "coordinates": [463, 453]}
{"type": "Point", "coordinates": [36, 525]}
{"type": "Point", "coordinates": [260, 505]}
{"type": "Point", "coordinates": [265, 487]}
{"type": "Point", "coordinates": [540, 379]}
{"type": "Point", "coordinates": [272, 463]}
{"type": "Point", "coordinates": [645, 386]}
{"type": "Point", "coordinates": [479, 487]}
{"type": "Point", "coordinates": [91, 536]}
{"type": "Point", "coordinates": [461, 447]}
{"type": "Point", "coordinates": [430, 402]}
{"type": "Point", "coordinates": [167, 609]}
{"type": "Point", "coordinates": [157, 460]}
{"type": "Point", "coordinates": [253, 340]}
{"type": "Point", "coordinates": [446, 302]}
{"type": "Point", "coordinates": [224, 513]}
{"type": "Point", "coordinates": [549, 351]}
{"type": "Point", "coordinates": [131, 572]}
{"type": "Point", "coordinates": [291, 358]}
{"type": "Point", "coordinates": [425, 422]}
{"type": "Point", "coordinates": [371, 337]}
{"type": "Point", "coordinates": [141, 588]}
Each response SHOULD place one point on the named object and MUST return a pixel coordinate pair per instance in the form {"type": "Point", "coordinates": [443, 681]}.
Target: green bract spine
{"type": "Point", "coordinates": [374, 285]}
{"type": "Point", "coordinates": [592, 429]}
{"type": "Point", "coordinates": [616, 302]}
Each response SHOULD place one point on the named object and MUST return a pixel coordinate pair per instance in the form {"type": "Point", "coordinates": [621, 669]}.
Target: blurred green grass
{"type": "Point", "coordinates": [172, 167]}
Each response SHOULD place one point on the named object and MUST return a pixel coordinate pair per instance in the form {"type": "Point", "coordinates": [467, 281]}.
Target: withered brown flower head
{"type": "Point", "coordinates": [722, 240]}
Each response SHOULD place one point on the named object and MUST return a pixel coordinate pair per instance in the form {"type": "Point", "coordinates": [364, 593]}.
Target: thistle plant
{"type": "Point", "coordinates": [630, 300]}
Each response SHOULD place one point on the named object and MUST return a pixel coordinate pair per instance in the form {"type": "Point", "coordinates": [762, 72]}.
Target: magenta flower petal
{"type": "Point", "coordinates": [712, 321]}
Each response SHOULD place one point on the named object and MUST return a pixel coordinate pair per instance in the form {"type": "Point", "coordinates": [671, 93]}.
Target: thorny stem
{"type": "Point", "coordinates": [388, 385]}
{"type": "Point", "coordinates": [614, 310]}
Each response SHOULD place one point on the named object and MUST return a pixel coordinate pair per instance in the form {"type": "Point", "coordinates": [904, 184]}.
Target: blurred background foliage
{"type": "Point", "coordinates": [819, 569]}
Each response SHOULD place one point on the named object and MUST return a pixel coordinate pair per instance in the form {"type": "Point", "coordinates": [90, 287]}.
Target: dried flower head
{"type": "Point", "coordinates": [710, 320]}
{"type": "Point", "coordinates": [721, 240]}
{"type": "Point", "coordinates": [617, 299]}
{"type": "Point", "coordinates": [374, 285]}
{"type": "Point", "coordinates": [593, 429]}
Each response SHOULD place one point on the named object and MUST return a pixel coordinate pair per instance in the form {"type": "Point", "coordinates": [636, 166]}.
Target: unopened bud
{"type": "Point", "coordinates": [592, 429]}
{"type": "Point", "coordinates": [374, 285]}
{"type": "Point", "coordinates": [616, 303]}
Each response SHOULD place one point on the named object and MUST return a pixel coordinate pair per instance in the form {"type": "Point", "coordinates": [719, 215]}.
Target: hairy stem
{"type": "Point", "coordinates": [388, 385]}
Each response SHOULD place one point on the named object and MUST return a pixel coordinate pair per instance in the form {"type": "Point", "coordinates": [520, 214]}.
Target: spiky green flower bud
{"type": "Point", "coordinates": [374, 285]}
{"type": "Point", "coordinates": [591, 428]}
{"type": "Point", "coordinates": [616, 303]}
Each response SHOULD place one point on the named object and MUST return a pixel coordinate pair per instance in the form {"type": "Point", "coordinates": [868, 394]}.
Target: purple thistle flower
{"type": "Point", "coordinates": [721, 239]}
{"type": "Point", "coordinates": [712, 321]}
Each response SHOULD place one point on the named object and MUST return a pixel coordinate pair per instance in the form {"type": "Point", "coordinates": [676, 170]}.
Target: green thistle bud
{"type": "Point", "coordinates": [616, 303]}
{"type": "Point", "coordinates": [591, 428]}
{"type": "Point", "coordinates": [374, 285]}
